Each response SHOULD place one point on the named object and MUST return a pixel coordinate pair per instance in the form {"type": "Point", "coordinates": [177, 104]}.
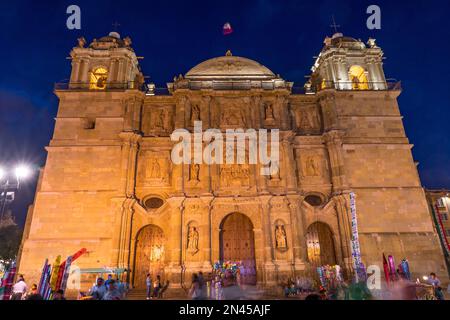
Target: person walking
{"type": "Point", "coordinates": [202, 285]}
{"type": "Point", "coordinates": [19, 289]}
{"type": "Point", "coordinates": [108, 281]}
{"type": "Point", "coordinates": [112, 293]}
{"type": "Point", "coordinates": [148, 283]}
{"type": "Point", "coordinates": [34, 294]}
{"type": "Point", "coordinates": [195, 290]}
{"type": "Point", "coordinates": [156, 286]}
{"type": "Point", "coordinates": [98, 291]}
{"type": "Point", "coordinates": [436, 283]}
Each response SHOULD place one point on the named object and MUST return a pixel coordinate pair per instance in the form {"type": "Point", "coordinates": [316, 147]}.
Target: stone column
{"type": "Point", "coordinates": [130, 147]}
{"type": "Point", "coordinates": [269, 272]}
{"type": "Point", "coordinates": [75, 71]}
{"type": "Point", "coordinates": [112, 71]}
{"type": "Point", "coordinates": [122, 233]}
{"type": "Point", "coordinates": [84, 76]}
{"type": "Point", "coordinates": [120, 74]}
{"type": "Point", "coordinates": [333, 141]}
{"type": "Point", "coordinates": [289, 162]}
{"type": "Point", "coordinates": [175, 267]}
{"type": "Point", "coordinates": [208, 260]}
{"type": "Point", "coordinates": [345, 231]}
{"type": "Point", "coordinates": [298, 232]}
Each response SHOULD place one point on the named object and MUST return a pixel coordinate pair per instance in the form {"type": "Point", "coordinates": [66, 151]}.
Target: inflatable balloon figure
{"type": "Point", "coordinates": [227, 29]}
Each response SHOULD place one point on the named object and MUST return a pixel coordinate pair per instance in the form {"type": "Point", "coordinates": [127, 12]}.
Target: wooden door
{"type": "Point", "coordinates": [149, 257]}
{"type": "Point", "coordinates": [238, 244]}
{"type": "Point", "coordinates": [320, 245]}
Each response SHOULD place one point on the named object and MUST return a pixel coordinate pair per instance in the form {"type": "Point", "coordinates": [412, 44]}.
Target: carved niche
{"type": "Point", "coordinates": [231, 113]}
{"type": "Point", "coordinates": [157, 120]}
{"type": "Point", "coordinates": [155, 169]}
{"type": "Point", "coordinates": [306, 118]}
{"type": "Point", "coordinates": [280, 237]}
{"type": "Point", "coordinates": [194, 108]}
{"type": "Point", "coordinates": [193, 236]}
{"type": "Point", "coordinates": [313, 166]}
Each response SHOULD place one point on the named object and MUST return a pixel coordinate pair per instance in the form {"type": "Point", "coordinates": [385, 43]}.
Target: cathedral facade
{"type": "Point", "coordinates": [109, 184]}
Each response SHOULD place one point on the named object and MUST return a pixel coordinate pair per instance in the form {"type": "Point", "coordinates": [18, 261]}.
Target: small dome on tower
{"type": "Point", "coordinates": [114, 34]}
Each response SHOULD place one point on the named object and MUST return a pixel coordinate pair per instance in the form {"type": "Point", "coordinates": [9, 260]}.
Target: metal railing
{"type": "Point", "coordinates": [389, 85]}
{"type": "Point", "coordinates": [109, 86]}
{"type": "Point", "coordinates": [232, 85]}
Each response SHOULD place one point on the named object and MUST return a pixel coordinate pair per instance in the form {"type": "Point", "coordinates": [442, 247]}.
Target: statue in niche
{"type": "Point", "coordinates": [194, 173]}
{"type": "Point", "coordinates": [277, 175]}
{"type": "Point", "coordinates": [312, 168]}
{"type": "Point", "coordinates": [269, 116]}
{"type": "Point", "coordinates": [280, 237]}
{"type": "Point", "coordinates": [312, 118]}
{"type": "Point", "coordinates": [155, 169]}
{"type": "Point", "coordinates": [160, 119]}
{"type": "Point", "coordinates": [192, 241]}
{"type": "Point", "coordinates": [195, 113]}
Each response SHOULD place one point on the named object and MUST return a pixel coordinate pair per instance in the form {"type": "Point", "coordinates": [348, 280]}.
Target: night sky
{"type": "Point", "coordinates": [174, 36]}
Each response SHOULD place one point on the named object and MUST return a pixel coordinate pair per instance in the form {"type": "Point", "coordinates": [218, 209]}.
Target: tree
{"type": "Point", "coordinates": [10, 238]}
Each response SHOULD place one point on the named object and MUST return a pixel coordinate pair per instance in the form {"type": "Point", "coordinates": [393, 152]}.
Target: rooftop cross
{"type": "Point", "coordinates": [116, 25]}
{"type": "Point", "coordinates": [334, 25]}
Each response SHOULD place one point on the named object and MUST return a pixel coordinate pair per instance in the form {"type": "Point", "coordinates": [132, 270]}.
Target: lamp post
{"type": "Point", "coordinates": [9, 184]}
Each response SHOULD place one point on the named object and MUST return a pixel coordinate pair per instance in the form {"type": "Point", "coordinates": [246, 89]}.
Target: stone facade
{"type": "Point", "coordinates": [109, 173]}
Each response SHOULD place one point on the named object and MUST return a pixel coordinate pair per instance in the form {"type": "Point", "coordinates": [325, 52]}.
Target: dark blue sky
{"type": "Point", "coordinates": [175, 35]}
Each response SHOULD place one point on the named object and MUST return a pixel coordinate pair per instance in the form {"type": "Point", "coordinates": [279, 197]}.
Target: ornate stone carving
{"type": "Point", "coordinates": [280, 237]}
{"type": "Point", "coordinates": [194, 172]}
{"type": "Point", "coordinates": [154, 171]}
{"type": "Point", "coordinates": [306, 118]}
{"type": "Point", "coordinates": [268, 113]}
{"type": "Point", "coordinates": [237, 174]}
{"type": "Point", "coordinates": [312, 167]}
{"type": "Point", "coordinates": [192, 240]}
{"type": "Point", "coordinates": [159, 119]}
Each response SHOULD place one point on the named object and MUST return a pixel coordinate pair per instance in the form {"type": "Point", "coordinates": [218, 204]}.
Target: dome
{"type": "Point", "coordinates": [341, 41]}
{"type": "Point", "coordinates": [229, 67]}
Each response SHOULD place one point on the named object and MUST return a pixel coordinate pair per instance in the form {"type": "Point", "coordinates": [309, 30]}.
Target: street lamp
{"type": "Point", "coordinates": [10, 183]}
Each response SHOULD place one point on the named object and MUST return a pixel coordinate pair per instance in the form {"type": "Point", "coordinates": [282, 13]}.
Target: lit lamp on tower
{"type": "Point", "coordinates": [10, 183]}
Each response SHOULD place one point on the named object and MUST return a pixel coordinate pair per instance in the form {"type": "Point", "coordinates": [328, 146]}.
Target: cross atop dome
{"type": "Point", "coordinates": [334, 25]}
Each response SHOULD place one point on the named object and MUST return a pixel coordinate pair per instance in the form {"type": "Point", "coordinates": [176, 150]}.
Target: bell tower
{"type": "Point", "coordinates": [107, 63]}
{"type": "Point", "coordinates": [348, 64]}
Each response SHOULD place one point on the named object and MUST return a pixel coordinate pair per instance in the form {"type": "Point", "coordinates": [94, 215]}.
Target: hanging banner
{"type": "Point", "coordinates": [441, 230]}
{"type": "Point", "coordinates": [360, 272]}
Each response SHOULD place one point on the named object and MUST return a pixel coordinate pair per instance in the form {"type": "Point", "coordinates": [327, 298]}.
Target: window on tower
{"type": "Point", "coordinates": [358, 78]}
{"type": "Point", "coordinates": [98, 79]}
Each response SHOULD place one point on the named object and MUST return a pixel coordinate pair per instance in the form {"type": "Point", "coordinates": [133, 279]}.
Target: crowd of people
{"type": "Point", "coordinates": [155, 288]}
{"type": "Point", "coordinates": [111, 289]}
{"type": "Point", "coordinates": [20, 291]}
{"type": "Point", "coordinates": [227, 287]}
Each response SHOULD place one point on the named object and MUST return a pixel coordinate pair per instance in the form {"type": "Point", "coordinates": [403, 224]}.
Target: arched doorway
{"type": "Point", "coordinates": [149, 255]}
{"type": "Point", "coordinates": [320, 244]}
{"type": "Point", "coordinates": [237, 244]}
